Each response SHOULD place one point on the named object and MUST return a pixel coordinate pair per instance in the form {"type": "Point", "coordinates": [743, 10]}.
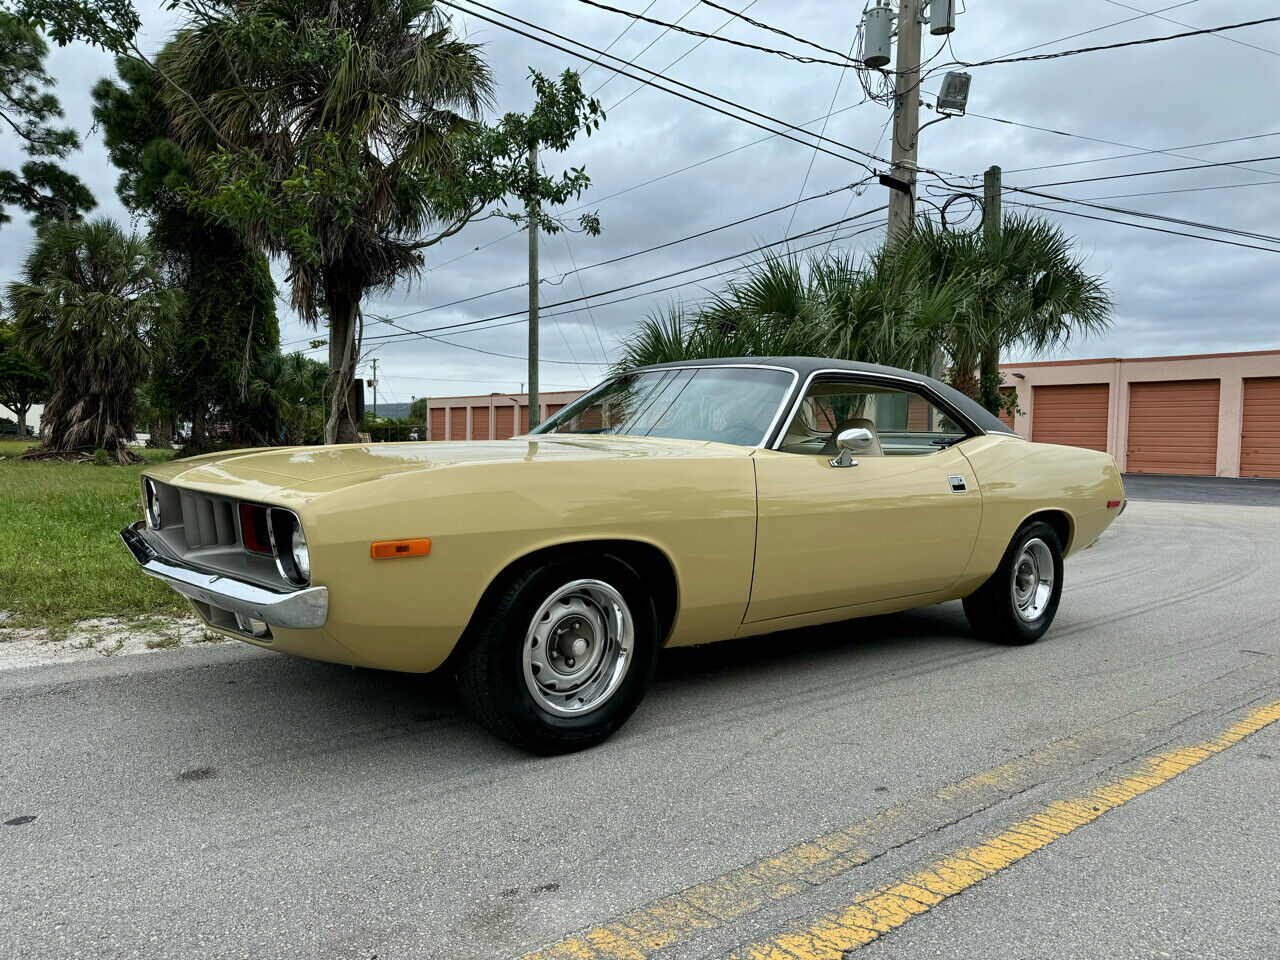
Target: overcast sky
{"type": "Point", "coordinates": [1173, 294]}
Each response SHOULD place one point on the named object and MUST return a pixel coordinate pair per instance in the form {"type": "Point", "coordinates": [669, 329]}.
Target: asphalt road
{"type": "Point", "coordinates": [225, 802]}
{"type": "Point", "coordinates": [1226, 490]}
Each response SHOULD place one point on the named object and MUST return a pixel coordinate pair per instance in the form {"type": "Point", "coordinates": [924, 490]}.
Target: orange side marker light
{"type": "Point", "coordinates": [386, 549]}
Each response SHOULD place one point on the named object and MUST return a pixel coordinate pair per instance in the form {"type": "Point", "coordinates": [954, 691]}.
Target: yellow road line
{"type": "Point", "coordinates": [837, 932]}
{"type": "Point", "coordinates": [714, 903]}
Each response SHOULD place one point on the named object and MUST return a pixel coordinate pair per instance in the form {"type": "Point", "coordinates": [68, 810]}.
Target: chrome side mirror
{"type": "Point", "coordinates": [851, 441]}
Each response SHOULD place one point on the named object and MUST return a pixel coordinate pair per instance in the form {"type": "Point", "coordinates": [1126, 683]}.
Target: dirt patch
{"type": "Point", "coordinates": [97, 639]}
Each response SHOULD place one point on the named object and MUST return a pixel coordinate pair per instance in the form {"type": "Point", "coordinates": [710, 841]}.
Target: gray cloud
{"type": "Point", "coordinates": [1173, 294]}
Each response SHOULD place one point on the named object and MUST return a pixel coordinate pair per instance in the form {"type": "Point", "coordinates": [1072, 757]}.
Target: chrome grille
{"type": "Point", "coordinates": [208, 521]}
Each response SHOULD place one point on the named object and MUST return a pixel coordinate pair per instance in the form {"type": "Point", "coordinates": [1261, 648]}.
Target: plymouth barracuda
{"type": "Point", "coordinates": [671, 505]}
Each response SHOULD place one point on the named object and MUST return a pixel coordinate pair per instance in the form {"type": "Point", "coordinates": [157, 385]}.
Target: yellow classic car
{"type": "Point", "coordinates": [670, 505]}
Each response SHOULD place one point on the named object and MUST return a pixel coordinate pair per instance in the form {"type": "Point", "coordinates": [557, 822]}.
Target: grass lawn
{"type": "Point", "coordinates": [61, 558]}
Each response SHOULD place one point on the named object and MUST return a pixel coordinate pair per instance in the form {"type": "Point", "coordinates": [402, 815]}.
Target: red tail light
{"type": "Point", "coordinates": [1112, 504]}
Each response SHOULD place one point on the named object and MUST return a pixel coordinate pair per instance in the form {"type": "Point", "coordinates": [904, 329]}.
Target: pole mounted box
{"type": "Point", "coordinates": [877, 34]}
{"type": "Point", "coordinates": [953, 95]}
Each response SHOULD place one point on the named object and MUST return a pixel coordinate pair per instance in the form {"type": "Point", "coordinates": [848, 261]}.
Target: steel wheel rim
{"type": "Point", "coordinates": [1032, 581]}
{"type": "Point", "coordinates": [578, 648]}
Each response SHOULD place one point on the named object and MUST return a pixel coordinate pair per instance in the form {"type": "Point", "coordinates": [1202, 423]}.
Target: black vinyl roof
{"type": "Point", "coordinates": [804, 366]}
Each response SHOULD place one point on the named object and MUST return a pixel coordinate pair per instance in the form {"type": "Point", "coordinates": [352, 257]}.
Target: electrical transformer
{"type": "Point", "coordinates": [942, 16]}
{"type": "Point", "coordinates": [877, 34]}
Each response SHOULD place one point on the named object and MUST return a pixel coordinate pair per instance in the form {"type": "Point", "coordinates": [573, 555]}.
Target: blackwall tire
{"type": "Point", "coordinates": [564, 656]}
{"type": "Point", "coordinates": [1018, 602]}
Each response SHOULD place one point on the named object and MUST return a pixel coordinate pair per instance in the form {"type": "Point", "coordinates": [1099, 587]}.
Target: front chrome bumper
{"type": "Point", "coordinates": [296, 609]}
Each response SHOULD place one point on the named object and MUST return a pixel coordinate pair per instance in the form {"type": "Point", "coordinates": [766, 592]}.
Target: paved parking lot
{"type": "Point", "coordinates": [890, 785]}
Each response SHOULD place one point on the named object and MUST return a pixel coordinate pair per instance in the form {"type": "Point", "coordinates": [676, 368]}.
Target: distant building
{"type": "Point", "coordinates": [1209, 414]}
{"type": "Point", "coordinates": [494, 416]}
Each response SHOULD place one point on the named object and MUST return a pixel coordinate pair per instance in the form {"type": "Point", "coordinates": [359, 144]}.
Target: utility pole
{"type": "Point", "coordinates": [374, 383]}
{"type": "Point", "coordinates": [991, 189]}
{"type": "Point", "coordinates": [531, 209]}
{"type": "Point", "coordinates": [906, 119]}
{"type": "Point", "coordinates": [989, 361]}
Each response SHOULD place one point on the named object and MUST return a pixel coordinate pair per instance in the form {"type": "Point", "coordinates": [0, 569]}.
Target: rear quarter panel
{"type": "Point", "coordinates": [1018, 479]}
{"type": "Point", "coordinates": [407, 614]}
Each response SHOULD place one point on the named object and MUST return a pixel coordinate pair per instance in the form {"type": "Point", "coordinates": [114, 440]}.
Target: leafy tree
{"type": "Point", "coordinates": [90, 302]}
{"type": "Point", "coordinates": [228, 322]}
{"type": "Point", "coordinates": [109, 24]}
{"type": "Point", "coordinates": [23, 382]}
{"type": "Point", "coordinates": [346, 138]}
{"type": "Point", "coordinates": [30, 112]}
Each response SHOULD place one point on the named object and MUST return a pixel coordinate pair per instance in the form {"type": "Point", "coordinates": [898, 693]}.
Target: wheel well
{"type": "Point", "coordinates": [1061, 523]}
{"type": "Point", "coordinates": [648, 561]}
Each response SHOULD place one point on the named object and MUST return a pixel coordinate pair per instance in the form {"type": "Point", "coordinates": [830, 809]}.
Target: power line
{"type": "Point", "coordinates": [674, 83]}
{"type": "Point", "coordinates": [627, 256]}
{"type": "Point", "coordinates": [1106, 26]}
{"type": "Point", "coordinates": [799, 58]}
{"type": "Point", "coordinates": [1149, 173]}
{"type": "Point", "coordinates": [564, 337]}
{"type": "Point", "coordinates": [1110, 46]}
{"type": "Point", "coordinates": [714, 33]}
{"type": "Point", "coordinates": [1141, 226]}
{"type": "Point", "coordinates": [1156, 14]}
{"type": "Point", "coordinates": [652, 180]}
{"type": "Point", "coordinates": [686, 283]}
{"type": "Point", "coordinates": [631, 60]}
{"type": "Point", "coordinates": [613, 42]}
{"type": "Point", "coordinates": [1161, 193]}
{"type": "Point", "coordinates": [1139, 151]}
{"type": "Point", "coordinates": [1150, 216]}
{"type": "Point", "coordinates": [1167, 151]}
{"type": "Point", "coordinates": [814, 156]}
{"type": "Point", "coordinates": [636, 253]}
{"type": "Point", "coordinates": [738, 15]}
{"type": "Point", "coordinates": [388, 376]}
{"type": "Point", "coordinates": [604, 354]}
{"type": "Point", "coordinates": [627, 286]}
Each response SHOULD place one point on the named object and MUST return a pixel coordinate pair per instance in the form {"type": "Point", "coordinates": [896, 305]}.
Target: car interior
{"type": "Point", "coordinates": [901, 422]}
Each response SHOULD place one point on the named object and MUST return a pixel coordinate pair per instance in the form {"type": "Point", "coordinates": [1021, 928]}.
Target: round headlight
{"type": "Point", "coordinates": [298, 548]}
{"type": "Point", "coordinates": [151, 499]}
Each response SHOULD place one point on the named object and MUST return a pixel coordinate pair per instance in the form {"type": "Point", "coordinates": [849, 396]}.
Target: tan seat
{"type": "Point", "coordinates": [829, 449]}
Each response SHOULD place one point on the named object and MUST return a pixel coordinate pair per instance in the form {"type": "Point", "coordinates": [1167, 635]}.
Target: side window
{"type": "Point", "coordinates": [903, 422]}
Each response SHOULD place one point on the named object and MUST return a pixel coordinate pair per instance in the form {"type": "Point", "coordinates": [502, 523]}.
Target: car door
{"type": "Point", "coordinates": [901, 521]}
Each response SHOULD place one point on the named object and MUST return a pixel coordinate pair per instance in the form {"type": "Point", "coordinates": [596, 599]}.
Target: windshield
{"type": "Point", "coordinates": [722, 404]}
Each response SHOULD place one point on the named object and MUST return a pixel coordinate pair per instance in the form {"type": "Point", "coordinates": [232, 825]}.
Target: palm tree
{"type": "Point", "coordinates": [292, 388]}
{"type": "Point", "coordinates": [962, 295]}
{"type": "Point", "coordinates": [346, 137]}
{"type": "Point", "coordinates": [831, 306]}
{"type": "Point", "coordinates": [88, 305]}
{"type": "Point", "coordinates": [1025, 288]}
{"type": "Point", "coordinates": [334, 112]}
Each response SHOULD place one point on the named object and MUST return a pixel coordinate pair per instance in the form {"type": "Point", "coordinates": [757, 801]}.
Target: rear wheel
{"type": "Point", "coordinates": [1019, 601]}
{"type": "Point", "coordinates": [564, 656]}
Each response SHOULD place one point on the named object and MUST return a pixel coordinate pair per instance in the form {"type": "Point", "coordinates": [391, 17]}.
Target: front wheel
{"type": "Point", "coordinates": [563, 657]}
{"type": "Point", "coordinates": [1018, 602]}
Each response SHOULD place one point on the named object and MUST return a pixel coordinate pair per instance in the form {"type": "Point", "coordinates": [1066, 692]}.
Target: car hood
{"type": "Point", "coordinates": [312, 471]}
